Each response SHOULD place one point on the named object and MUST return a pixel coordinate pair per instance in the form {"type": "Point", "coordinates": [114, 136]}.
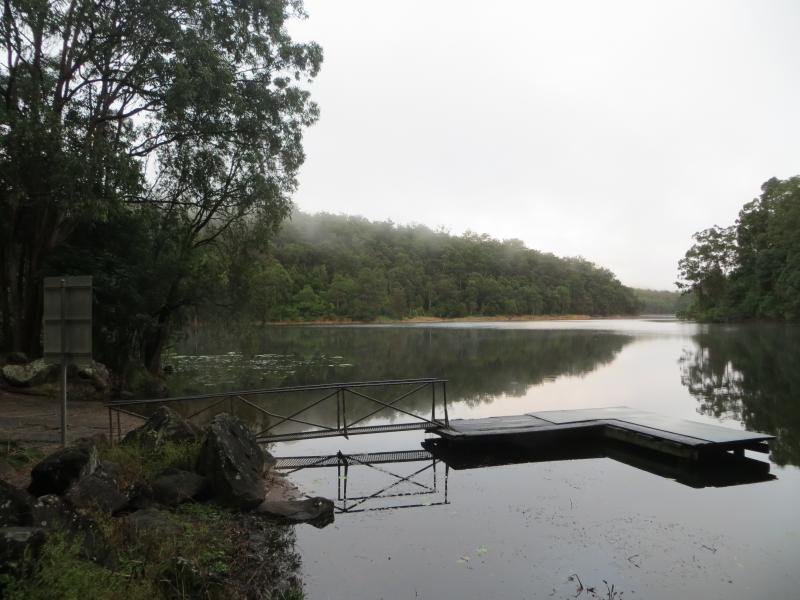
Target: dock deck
{"type": "Point", "coordinates": [678, 437]}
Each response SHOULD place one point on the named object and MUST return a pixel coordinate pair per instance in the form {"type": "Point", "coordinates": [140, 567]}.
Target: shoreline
{"type": "Point", "coordinates": [468, 319]}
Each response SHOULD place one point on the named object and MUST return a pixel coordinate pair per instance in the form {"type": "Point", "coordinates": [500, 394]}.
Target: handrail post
{"type": "Point", "coordinates": [433, 402]}
{"type": "Point", "coordinates": [110, 428]}
{"type": "Point", "coordinates": [344, 412]}
{"type": "Point", "coordinates": [338, 409]}
{"type": "Point", "coordinates": [444, 394]}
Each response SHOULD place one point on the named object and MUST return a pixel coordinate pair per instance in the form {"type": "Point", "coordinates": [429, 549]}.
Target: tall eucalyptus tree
{"type": "Point", "coordinates": [186, 112]}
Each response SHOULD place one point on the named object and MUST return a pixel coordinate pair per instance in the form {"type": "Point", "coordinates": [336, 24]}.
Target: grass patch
{"type": "Point", "coordinates": [20, 457]}
{"type": "Point", "coordinates": [60, 572]}
{"type": "Point", "coordinates": [138, 463]}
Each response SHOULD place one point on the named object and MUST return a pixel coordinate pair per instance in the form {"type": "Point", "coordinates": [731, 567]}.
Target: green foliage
{"type": "Point", "coordinates": [750, 375]}
{"type": "Point", "coordinates": [134, 133]}
{"type": "Point", "coordinates": [18, 456]}
{"type": "Point", "coordinates": [139, 463]}
{"type": "Point", "coordinates": [660, 302]}
{"type": "Point", "coordinates": [337, 267]}
{"type": "Point", "coordinates": [60, 572]}
{"type": "Point", "coordinates": [752, 269]}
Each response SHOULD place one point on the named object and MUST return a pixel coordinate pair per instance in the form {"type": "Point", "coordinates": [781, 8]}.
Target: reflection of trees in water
{"type": "Point", "coordinates": [751, 374]}
{"type": "Point", "coordinates": [479, 363]}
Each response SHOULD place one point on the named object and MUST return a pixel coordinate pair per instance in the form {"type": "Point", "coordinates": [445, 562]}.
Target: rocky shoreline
{"type": "Point", "coordinates": [170, 512]}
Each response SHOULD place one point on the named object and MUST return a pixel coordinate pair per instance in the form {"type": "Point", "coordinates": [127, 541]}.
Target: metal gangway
{"type": "Point", "coordinates": [361, 407]}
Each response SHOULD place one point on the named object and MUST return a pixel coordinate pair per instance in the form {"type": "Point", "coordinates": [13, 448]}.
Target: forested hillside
{"type": "Point", "coordinates": [661, 302]}
{"type": "Point", "coordinates": [326, 266]}
{"type": "Point", "coordinates": [750, 270]}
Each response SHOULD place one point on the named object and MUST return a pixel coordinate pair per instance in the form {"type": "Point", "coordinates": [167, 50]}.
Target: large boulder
{"type": "Point", "coordinates": [164, 425]}
{"type": "Point", "coordinates": [15, 505]}
{"type": "Point", "coordinates": [98, 491]}
{"type": "Point", "coordinates": [315, 511]}
{"type": "Point", "coordinates": [234, 463]}
{"type": "Point", "coordinates": [149, 523]}
{"type": "Point", "coordinates": [56, 473]}
{"type": "Point", "coordinates": [175, 486]}
{"type": "Point", "coordinates": [32, 373]}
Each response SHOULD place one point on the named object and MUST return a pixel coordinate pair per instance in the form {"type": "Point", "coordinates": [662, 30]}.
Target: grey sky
{"type": "Point", "coordinates": [610, 130]}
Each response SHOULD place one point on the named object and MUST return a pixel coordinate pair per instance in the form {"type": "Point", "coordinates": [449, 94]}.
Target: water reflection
{"type": "Point", "coordinates": [405, 479]}
{"type": "Point", "coordinates": [750, 374]}
{"type": "Point", "coordinates": [379, 480]}
{"type": "Point", "coordinates": [722, 471]}
{"type": "Point", "coordinates": [480, 364]}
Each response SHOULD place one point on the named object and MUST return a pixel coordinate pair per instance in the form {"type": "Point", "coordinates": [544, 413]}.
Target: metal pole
{"type": "Point", "coordinates": [444, 400]}
{"type": "Point", "coordinates": [344, 413]}
{"type": "Point", "coordinates": [110, 427]}
{"type": "Point", "coordinates": [63, 363]}
{"type": "Point", "coordinates": [433, 402]}
{"type": "Point", "coordinates": [338, 409]}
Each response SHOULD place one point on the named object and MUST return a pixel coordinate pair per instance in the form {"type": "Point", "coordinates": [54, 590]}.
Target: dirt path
{"type": "Point", "coordinates": [25, 418]}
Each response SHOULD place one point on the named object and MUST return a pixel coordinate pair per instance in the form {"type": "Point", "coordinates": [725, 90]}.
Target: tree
{"type": "Point", "coordinates": [190, 113]}
{"type": "Point", "coordinates": [707, 264]}
{"type": "Point", "coordinates": [752, 269]}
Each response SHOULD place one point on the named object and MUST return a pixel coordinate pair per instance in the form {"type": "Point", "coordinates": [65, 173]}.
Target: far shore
{"type": "Point", "coordinates": [471, 319]}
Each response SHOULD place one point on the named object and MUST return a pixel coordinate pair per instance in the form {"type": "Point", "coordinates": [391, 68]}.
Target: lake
{"type": "Point", "coordinates": [582, 527]}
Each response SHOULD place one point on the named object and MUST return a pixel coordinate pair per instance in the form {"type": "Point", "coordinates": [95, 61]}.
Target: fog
{"type": "Point", "coordinates": [609, 130]}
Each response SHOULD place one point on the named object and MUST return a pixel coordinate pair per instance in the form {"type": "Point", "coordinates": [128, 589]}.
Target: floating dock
{"type": "Point", "coordinates": [677, 437]}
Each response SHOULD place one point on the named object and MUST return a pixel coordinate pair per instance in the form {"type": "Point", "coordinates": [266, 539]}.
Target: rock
{"type": "Point", "coordinates": [56, 473]}
{"type": "Point", "coordinates": [15, 505]}
{"type": "Point", "coordinates": [234, 463]}
{"type": "Point", "coordinates": [316, 511]}
{"type": "Point", "coordinates": [98, 491]}
{"type": "Point", "coordinates": [96, 373]}
{"type": "Point", "coordinates": [141, 495]}
{"type": "Point", "coordinates": [51, 511]}
{"type": "Point", "coordinates": [175, 486]}
{"type": "Point", "coordinates": [164, 425]}
{"type": "Point", "coordinates": [16, 543]}
{"type": "Point", "coordinates": [29, 374]}
{"type": "Point", "coordinates": [17, 358]}
{"type": "Point", "coordinates": [150, 522]}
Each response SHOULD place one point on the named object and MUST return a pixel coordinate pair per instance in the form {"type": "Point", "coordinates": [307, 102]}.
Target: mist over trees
{"type": "Point", "coordinates": [750, 270]}
{"type": "Point", "coordinates": [326, 266]}
{"type": "Point", "coordinates": [661, 302]}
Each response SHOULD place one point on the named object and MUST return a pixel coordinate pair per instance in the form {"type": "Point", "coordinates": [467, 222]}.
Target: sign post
{"type": "Point", "coordinates": [67, 329]}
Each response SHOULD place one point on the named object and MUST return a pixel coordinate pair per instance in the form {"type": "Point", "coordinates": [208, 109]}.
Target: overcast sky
{"type": "Point", "coordinates": [610, 130]}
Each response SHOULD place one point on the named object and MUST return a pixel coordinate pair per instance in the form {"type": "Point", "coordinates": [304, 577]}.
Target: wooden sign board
{"type": "Point", "coordinates": [68, 310]}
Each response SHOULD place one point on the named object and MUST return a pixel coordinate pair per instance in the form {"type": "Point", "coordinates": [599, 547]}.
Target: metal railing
{"type": "Point", "coordinates": [345, 395]}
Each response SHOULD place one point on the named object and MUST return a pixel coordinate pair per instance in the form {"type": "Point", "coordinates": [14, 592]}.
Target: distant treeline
{"type": "Point", "coordinates": [750, 270]}
{"type": "Point", "coordinates": [326, 266]}
{"type": "Point", "coordinates": [661, 302]}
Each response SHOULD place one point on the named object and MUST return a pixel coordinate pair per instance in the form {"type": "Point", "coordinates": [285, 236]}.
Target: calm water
{"type": "Point", "coordinates": [530, 530]}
